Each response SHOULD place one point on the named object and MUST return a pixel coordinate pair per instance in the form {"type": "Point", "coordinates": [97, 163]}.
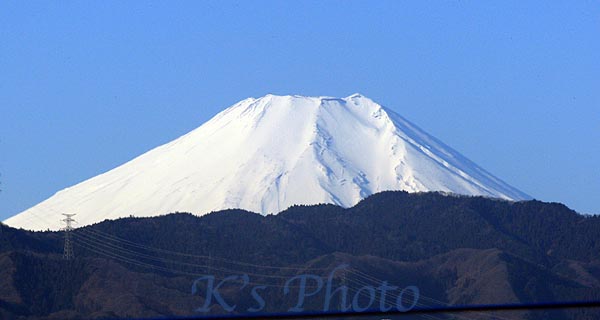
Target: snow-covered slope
{"type": "Point", "coordinates": [267, 154]}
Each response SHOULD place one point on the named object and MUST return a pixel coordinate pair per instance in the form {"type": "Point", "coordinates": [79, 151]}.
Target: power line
{"type": "Point", "coordinates": [209, 257]}
{"type": "Point", "coordinates": [205, 267]}
{"type": "Point", "coordinates": [110, 253]}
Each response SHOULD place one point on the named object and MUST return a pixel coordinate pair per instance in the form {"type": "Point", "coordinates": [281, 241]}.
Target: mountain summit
{"type": "Point", "coordinates": [267, 154]}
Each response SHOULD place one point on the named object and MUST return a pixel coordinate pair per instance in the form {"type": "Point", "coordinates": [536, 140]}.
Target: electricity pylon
{"type": "Point", "coordinates": [68, 251]}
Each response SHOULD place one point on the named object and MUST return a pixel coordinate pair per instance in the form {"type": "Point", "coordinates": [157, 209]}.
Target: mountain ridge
{"type": "Point", "coordinates": [457, 250]}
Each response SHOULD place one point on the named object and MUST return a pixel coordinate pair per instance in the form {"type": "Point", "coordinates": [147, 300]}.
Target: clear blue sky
{"type": "Point", "coordinates": [88, 85]}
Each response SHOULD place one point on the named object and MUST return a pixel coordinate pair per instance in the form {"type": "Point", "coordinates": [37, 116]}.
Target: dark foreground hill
{"type": "Point", "coordinates": [456, 250]}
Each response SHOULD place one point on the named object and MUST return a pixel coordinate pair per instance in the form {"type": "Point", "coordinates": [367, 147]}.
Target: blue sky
{"type": "Point", "coordinates": [513, 85]}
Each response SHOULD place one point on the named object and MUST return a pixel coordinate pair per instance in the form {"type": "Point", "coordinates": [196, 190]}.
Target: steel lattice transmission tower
{"type": "Point", "coordinates": [68, 252]}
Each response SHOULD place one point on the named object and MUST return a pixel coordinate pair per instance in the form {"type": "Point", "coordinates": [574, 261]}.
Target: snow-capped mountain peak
{"type": "Point", "coordinates": [266, 154]}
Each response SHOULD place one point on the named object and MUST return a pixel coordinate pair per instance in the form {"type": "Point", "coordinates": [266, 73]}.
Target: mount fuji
{"type": "Point", "coordinates": [267, 154]}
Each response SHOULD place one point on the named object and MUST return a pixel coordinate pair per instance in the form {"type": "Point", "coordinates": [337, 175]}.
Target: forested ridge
{"type": "Point", "coordinates": [456, 249]}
